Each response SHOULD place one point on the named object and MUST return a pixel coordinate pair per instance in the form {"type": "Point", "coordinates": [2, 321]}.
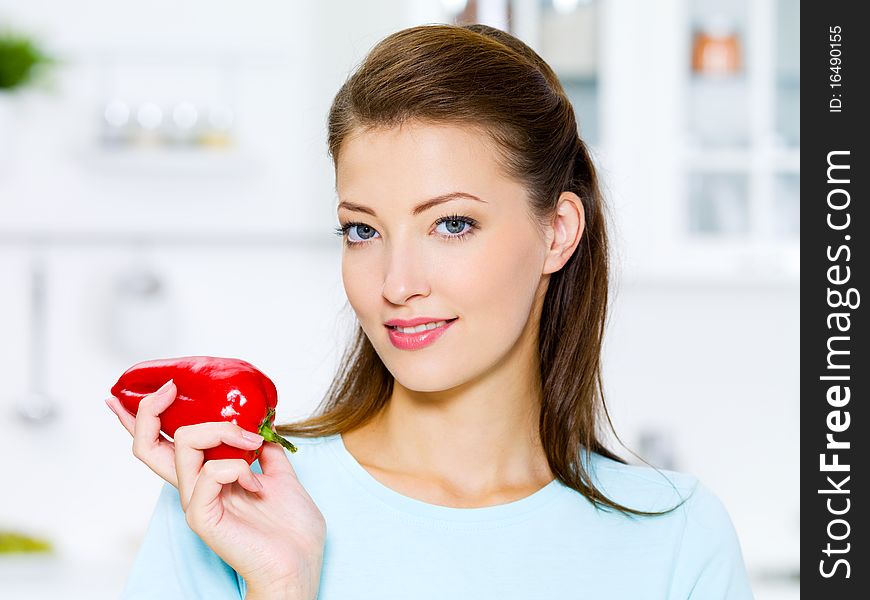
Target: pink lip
{"type": "Point", "coordinates": [414, 341]}
{"type": "Point", "coordinates": [415, 321]}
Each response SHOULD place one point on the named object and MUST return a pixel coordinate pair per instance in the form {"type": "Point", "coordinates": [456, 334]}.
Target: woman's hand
{"type": "Point", "coordinates": [266, 527]}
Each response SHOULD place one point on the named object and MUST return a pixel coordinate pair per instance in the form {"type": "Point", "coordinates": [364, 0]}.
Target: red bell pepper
{"type": "Point", "coordinates": [208, 389]}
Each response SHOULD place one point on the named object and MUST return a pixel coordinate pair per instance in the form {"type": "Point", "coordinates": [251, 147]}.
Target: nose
{"type": "Point", "coordinates": [405, 275]}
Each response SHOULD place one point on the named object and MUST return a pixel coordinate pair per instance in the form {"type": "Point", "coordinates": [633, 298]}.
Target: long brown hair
{"type": "Point", "coordinates": [478, 76]}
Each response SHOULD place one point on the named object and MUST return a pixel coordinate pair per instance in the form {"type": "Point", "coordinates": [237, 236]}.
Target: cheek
{"type": "Point", "coordinates": [500, 282]}
{"type": "Point", "coordinates": [358, 287]}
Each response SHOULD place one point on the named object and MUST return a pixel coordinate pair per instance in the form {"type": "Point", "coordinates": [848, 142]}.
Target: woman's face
{"type": "Point", "coordinates": [479, 261]}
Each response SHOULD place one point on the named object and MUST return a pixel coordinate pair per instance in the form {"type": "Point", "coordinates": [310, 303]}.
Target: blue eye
{"type": "Point", "coordinates": [455, 223]}
{"type": "Point", "coordinates": [454, 226]}
{"type": "Point", "coordinates": [364, 232]}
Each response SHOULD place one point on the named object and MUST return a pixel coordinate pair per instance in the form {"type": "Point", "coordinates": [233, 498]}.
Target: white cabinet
{"type": "Point", "coordinates": [692, 110]}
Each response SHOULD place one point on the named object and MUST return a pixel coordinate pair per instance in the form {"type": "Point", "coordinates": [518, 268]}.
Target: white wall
{"type": "Point", "coordinates": [715, 369]}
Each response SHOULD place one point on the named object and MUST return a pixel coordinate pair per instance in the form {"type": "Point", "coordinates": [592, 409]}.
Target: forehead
{"type": "Point", "coordinates": [416, 159]}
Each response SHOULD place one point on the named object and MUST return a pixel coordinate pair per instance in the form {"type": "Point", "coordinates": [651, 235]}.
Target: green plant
{"type": "Point", "coordinates": [20, 59]}
{"type": "Point", "coordinates": [13, 542]}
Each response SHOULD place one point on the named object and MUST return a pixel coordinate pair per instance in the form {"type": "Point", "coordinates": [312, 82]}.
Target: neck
{"type": "Point", "coordinates": [475, 439]}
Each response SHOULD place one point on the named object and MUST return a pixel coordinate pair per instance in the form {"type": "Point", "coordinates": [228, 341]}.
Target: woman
{"type": "Point", "coordinates": [463, 461]}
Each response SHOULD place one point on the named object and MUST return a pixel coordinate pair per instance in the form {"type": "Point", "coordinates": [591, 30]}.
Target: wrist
{"type": "Point", "coordinates": [281, 592]}
{"type": "Point", "coordinates": [302, 585]}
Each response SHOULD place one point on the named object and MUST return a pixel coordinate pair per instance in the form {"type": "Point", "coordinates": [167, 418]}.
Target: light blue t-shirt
{"type": "Point", "coordinates": [383, 545]}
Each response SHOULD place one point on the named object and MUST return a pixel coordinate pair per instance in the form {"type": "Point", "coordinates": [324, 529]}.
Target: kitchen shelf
{"type": "Point", "coordinates": [173, 162]}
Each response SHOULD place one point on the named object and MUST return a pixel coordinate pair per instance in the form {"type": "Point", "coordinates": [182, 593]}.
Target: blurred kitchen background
{"type": "Point", "coordinates": [165, 190]}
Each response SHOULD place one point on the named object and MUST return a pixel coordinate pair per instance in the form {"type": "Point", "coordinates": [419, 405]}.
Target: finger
{"type": "Point", "coordinates": [274, 460]}
{"type": "Point", "coordinates": [191, 440]}
{"type": "Point", "coordinates": [213, 477]}
{"type": "Point", "coordinates": [148, 446]}
{"type": "Point", "coordinates": [124, 416]}
{"type": "Point", "coordinates": [147, 427]}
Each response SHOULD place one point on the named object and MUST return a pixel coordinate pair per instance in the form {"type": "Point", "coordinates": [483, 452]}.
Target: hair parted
{"type": "Point", "coordinates": [481, 77]}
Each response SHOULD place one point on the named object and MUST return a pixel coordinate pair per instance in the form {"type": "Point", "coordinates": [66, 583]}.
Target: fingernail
{"type": "Point", "coordinates": [165, 387]}
{"type": "Point", "coordinates": [109, 404]}
{"type": "Point", "coordinates": [254, 437]}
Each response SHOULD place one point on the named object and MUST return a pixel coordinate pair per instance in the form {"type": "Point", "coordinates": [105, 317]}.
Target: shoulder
{"type": "Point", "coordinates": [659, 489]}
{"type": "Point", "coordinates": [699, 516]}
{"type": "Point", "coordinates": [641, 487]}
{"type": "Point", "coordinates": [708, 557]}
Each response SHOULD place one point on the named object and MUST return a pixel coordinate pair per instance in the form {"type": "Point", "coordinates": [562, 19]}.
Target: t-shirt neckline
{"type": "Point", "coordinates": [420, 509]}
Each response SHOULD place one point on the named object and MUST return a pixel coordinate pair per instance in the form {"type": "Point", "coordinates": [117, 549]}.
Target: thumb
{"type": "Point", "coordinates": [155, 403]}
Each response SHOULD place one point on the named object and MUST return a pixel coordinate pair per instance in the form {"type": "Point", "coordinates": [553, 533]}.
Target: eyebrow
{"type": "Point", "coordinates": [420, 208]}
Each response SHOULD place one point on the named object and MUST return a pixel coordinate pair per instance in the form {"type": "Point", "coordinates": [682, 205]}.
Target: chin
{"type": "Point", "coordinates": [424, 377]}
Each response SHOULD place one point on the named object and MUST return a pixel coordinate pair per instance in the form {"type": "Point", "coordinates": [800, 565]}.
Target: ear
{"type": "Point", "coordinates": [564, 233]}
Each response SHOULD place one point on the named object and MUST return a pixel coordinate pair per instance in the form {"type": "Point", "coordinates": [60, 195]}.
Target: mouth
{"type": "Point", "coordinates": [409, 338]}
{"type": "Point", "coordinates": [422, 328]}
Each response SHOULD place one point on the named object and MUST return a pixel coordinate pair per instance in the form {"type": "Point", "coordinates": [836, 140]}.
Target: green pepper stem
{"type": "Point", "coordinates": [270, 435]}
